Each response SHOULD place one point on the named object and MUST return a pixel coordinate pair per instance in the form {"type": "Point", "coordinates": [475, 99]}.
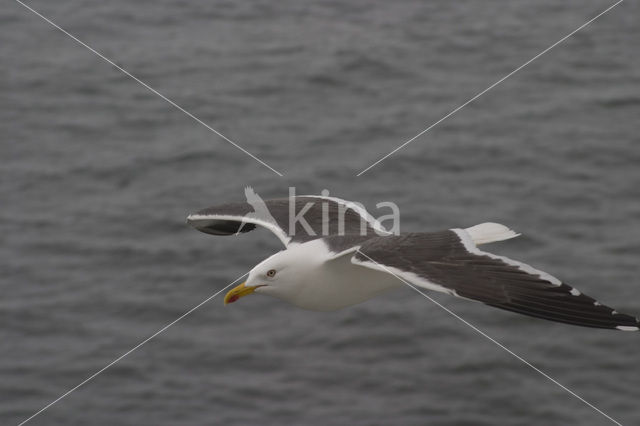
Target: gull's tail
{"type": "Point", "coordinates": [490, 232]}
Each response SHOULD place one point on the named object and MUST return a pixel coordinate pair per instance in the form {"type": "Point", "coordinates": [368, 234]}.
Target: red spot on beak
{"type": "Point", "coordinates": [233, 298]}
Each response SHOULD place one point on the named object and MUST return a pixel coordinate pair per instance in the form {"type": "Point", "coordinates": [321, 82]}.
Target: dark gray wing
{"type": "Point", "coordinates": [450, 262]}
{"type": "Point", "coordinates": [309, 217]}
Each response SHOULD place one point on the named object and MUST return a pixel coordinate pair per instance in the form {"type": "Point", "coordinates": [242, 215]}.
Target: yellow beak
{"type": "Point", "coordinates": [238, 292]}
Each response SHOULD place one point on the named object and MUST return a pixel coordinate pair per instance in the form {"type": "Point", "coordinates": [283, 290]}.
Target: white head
{"type": "Point", "coordinates": [282, 275]}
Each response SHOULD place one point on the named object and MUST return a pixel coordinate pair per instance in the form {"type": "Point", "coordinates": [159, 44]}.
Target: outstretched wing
{"type": "Point", "coordinates": [450, 262]}
{"type": "Point", "coordinates": [293, 220]}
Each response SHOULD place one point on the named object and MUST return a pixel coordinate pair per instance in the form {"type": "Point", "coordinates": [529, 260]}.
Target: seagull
{"type": "Point", "coordinates": [337, 255]}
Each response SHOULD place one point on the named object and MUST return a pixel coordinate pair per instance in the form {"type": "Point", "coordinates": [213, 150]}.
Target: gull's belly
{"type": "Point", "coordinates": [342, 285]}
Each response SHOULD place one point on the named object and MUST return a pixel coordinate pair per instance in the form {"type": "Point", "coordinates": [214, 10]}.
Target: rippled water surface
{"type": "Point", "coordinates": [97, 175]}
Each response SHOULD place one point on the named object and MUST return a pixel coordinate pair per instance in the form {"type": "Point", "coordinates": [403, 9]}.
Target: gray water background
{"type": "Point", "coordinates": [97, 175]}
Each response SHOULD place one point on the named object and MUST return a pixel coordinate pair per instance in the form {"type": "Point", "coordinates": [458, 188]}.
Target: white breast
{"type": "Point", "coordinates": [338, 283]}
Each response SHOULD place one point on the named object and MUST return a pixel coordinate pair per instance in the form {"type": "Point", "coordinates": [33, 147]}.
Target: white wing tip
{"type": "Point", "coordinates": [196, 216]}
{"type": "Point", "coordinates": [627, 328]}
{"type": "Point", "coordinates": [490, 232]}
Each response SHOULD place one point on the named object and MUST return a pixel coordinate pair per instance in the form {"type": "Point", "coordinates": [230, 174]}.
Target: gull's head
{"type": "Point", "coordinates": [282, 275]}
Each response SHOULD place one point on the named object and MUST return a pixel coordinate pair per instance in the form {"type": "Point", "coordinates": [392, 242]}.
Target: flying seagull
{"type": "Point", "coordinates": [336, 255]}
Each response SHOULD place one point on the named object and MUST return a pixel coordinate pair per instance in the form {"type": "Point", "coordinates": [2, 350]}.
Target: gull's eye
{"type": "Point", "coordinates": [271, 273]}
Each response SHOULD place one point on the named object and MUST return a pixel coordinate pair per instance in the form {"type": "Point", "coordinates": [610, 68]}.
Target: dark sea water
{"type": "Point", "coordinates": [97, 175]}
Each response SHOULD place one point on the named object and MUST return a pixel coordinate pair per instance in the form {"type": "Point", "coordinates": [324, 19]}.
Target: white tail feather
{"type": "Point", "coordinates": [490, 232]}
